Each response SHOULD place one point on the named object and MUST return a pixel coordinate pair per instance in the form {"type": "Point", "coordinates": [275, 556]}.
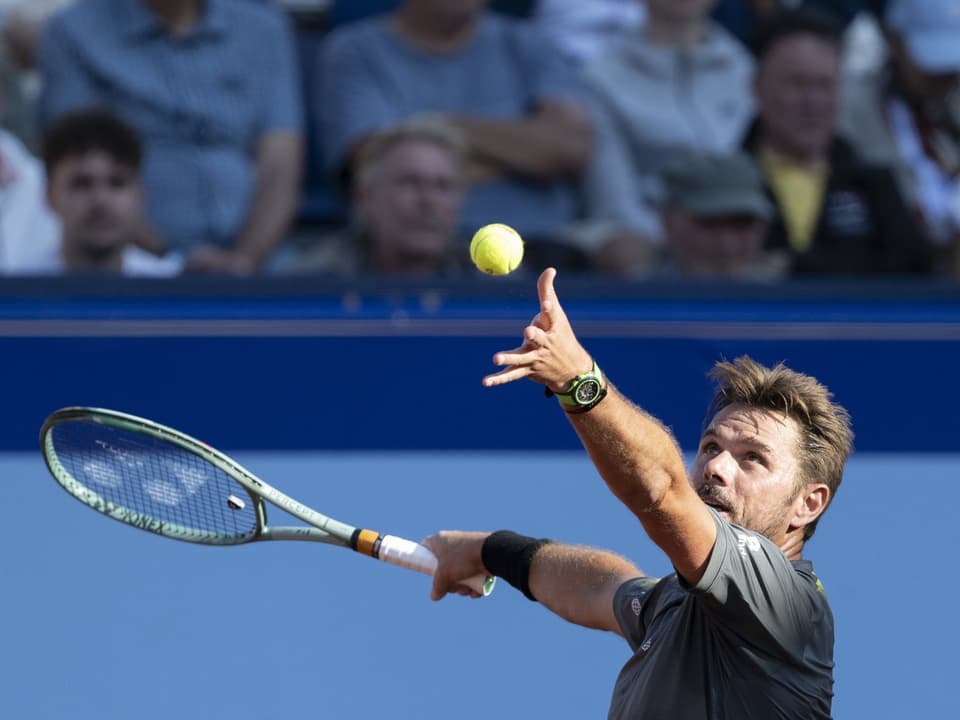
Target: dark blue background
{"type": "Point", "coordinates": [306, 364]}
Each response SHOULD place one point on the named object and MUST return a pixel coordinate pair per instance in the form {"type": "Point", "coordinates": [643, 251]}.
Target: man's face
{"type": "Point", "coordinates": [714, 246]}
{"type": "Point", "coordinates": [920, 84]}
{"type": "Point", "coordinates": [99, 201]}
{"type": "Point", "coordinates": [410, 207]}
{"type": "Point", "coordinates": [747, 469]}
{"type": "Point", "coordinates": [796, 91]}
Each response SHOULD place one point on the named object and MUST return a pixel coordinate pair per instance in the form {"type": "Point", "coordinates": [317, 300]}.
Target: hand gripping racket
{"type": "Point", "coordinates": [160, 480]}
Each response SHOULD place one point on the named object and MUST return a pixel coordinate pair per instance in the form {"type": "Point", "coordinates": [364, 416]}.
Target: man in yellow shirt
{"type": "Point", "coordinates": [835, 214]}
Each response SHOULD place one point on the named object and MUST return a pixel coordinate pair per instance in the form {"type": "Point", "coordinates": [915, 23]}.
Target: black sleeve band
{"type": "Point", "coordinates": [508, 555]}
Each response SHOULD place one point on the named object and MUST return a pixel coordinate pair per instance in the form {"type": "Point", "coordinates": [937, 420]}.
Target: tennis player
{"type": "Point", "coordinates": [743, 628]}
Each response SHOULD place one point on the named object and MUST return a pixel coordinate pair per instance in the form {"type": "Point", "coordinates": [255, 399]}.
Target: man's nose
{"type": "Point", "coordinates": [720, 468]}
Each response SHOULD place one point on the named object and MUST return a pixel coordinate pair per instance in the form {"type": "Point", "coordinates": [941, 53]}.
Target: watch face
{"type": "Point", "coordinates": [587, 391]}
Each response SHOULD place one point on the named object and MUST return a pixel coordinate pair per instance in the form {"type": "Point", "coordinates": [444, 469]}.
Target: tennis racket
{"type": "Point", "coordinates": [158, 479]}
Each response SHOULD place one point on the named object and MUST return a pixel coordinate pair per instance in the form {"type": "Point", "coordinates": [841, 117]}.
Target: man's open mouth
{"type": "Point", "coordinates": [710, 498]}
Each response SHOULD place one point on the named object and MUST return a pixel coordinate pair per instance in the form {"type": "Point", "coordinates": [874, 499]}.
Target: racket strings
{"type": "Point", "coordinates": [148, 479]}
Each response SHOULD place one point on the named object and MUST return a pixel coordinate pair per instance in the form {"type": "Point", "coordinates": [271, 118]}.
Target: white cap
{"type": "Point", "coordinates": [931, 31]}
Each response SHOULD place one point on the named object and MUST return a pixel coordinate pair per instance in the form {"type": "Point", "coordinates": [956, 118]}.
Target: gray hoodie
{"type": "Point", "coordinates": [647, 102]}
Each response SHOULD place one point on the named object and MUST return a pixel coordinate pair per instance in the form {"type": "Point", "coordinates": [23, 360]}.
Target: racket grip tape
{"type": "Point", "coordinates": [408, 554]}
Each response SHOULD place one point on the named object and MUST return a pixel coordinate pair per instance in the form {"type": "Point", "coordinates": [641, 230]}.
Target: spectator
{"type": "Point", "coordinates": [683, 82]}
{"type": "Point", "coordinates": [29, 235]}
{"type": "Point", "coordinates": [583, 30]}
{"type": "Point", "coordinates": [492, 77]}
{"type": "Point", "coordinates": [408, 186]}
{"type": "Point", "coordinates": [835, 212]}
{"type": "Point", "coordinates": [212, 87]}
{"type": "Point", "coordinates": [906, 114]}
{"type": "Point", "coordinates": [93, 184]}
{"type": "Point", "coordinates": [715, 219]}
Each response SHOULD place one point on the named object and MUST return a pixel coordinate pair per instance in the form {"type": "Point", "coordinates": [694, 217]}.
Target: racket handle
{"type": "Point", "coordinates": [414, 556]}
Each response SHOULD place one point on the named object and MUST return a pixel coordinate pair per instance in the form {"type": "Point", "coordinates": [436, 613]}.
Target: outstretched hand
{"type": "Point", "coordinates": [550, 353]}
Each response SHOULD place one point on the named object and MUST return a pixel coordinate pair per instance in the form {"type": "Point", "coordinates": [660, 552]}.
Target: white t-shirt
{"type": "Point", "coordinates": [140, 263]}
{"type": "Point", "coordinates": [136, 263]}
{"type": "Point", "coordinates": [29, 231]}
{"type": "Point", "coordinates": [937, 194]}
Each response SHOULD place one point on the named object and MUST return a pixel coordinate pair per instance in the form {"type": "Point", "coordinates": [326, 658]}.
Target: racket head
{"type": "Point", "coordinates": [151, 477]}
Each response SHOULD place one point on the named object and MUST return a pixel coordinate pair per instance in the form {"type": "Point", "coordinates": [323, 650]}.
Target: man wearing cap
{"type": "Point", "coordinates": [715, 216]}
{"type": "Point", "coordinates": [906, 114]}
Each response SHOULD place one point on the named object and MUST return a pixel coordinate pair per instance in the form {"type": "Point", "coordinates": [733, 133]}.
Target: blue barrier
{"type": "Point", "coordinates": [305, 363]}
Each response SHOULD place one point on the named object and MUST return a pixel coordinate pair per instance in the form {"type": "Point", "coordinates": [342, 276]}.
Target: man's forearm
{"type": "Point", "coordinates": [634, 453]}
{"type": "Point", "coordinates": [536, 147]}
{"type": "Point", "coordinates": [579, 583]}
{"type": "Point", "coordinates": [275, 200]}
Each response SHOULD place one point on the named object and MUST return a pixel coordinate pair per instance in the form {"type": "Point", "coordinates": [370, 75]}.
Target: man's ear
{"type": "Point", "coordinates": [810, 504]}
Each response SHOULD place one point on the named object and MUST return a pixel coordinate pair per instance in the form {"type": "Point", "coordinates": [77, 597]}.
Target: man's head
{"type": "Point", "coordinates": [796, 87]}
{"type": "Point", "coordinates": [444, 15]}
{"type": "Point", "coordinates": [92, 160]}
{"type": "Point", "coordinates": [407, 190]}
{"type": "Point", "coordinates": [715, 214]}
{"type": "Point", "coordinates": [772, 455]}
{"type": "Point", "coordinates": [923, 41]}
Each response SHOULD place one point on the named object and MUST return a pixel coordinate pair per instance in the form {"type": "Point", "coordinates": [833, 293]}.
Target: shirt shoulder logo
{"type": "Point", "coordinates": [747, 542]}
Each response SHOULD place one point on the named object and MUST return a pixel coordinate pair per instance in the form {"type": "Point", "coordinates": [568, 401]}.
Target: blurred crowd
{"type": "Point", "coordinates": [747, 139]}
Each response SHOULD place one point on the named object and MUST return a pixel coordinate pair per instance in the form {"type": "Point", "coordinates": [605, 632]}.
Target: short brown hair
{"type": "Point", "coordinates": [420, 128]}
{"type": "Point", "coordinates": [89, 130]}
{"type": "Point", "coordinates": [826, 438]}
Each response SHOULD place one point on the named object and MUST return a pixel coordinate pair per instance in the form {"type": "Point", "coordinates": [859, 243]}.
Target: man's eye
{"type": "Point", "coordinates": [81, 183]}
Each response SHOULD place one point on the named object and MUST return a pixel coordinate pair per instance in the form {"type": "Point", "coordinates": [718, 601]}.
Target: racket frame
{"type": "Point", "coordinates": [320, 528]}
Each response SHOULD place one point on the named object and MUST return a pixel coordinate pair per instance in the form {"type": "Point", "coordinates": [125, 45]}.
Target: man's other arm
{"type": "Point", "coordinates": [576, 583]}
{"type": "Point", "coordinates": [552, 142]}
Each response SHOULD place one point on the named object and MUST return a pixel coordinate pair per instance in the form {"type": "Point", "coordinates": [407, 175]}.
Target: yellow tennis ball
{"type": "Point", "coordinates": [496, 249]}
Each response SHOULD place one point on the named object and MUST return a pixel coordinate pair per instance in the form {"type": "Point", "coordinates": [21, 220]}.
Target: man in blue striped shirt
{"type": "Point", "coordinates": [498, 81]}
{"type": "Point", "coordinates": [212, 86]}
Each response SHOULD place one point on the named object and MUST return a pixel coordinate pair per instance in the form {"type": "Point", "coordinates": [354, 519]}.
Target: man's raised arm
{"type": "Point", "coordinates": [635, 454]}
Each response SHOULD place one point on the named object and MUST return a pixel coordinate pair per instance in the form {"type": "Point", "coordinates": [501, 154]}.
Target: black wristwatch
{"type": "Point", "coordinates": [585, 391]}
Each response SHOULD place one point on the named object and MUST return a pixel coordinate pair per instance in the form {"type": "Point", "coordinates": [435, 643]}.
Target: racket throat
{"type": "Point", "coordinates": [366, 542]}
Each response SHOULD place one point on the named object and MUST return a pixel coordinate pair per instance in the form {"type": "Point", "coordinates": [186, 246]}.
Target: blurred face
{"type": "Point", "coordinates": [679, 10]}
{"type": "Point", "coordinates": [411, 203]}
{"type": "Point", "coordinates": [797, 94]}
{"type": "Point", "coordinates": [747, 468]}
{"type": "Point", "coordinates": [917, 83]}
{"type": "Point", "coordinates": [98, 200]}
{"type": "Point", "coordinates": [723, 246]}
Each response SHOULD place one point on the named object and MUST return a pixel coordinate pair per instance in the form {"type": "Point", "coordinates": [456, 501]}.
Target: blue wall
{"type": "Point", "coordinates": [306, 364]}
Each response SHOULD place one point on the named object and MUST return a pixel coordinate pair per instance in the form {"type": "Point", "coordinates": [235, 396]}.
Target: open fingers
{"type": "Point", "coordinates": [514, 372]}
{"type": "Point", "coordinates": [551, 314]}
